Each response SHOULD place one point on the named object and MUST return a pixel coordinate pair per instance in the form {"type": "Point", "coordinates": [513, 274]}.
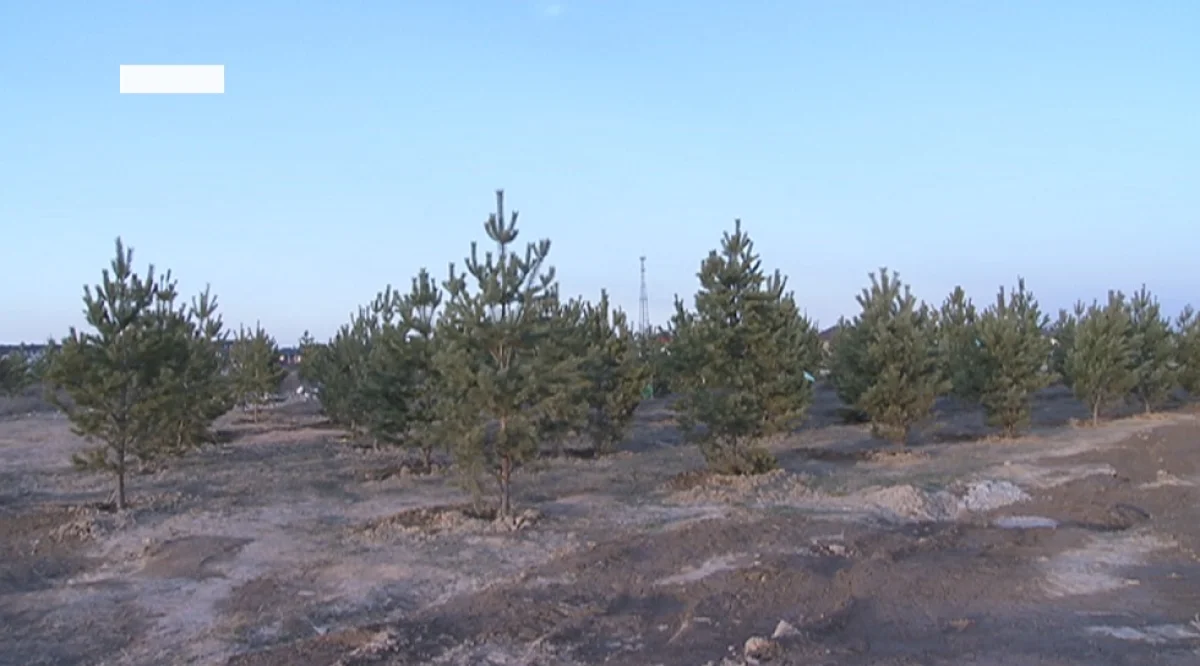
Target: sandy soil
{"type": "Point", "coordinates": [287, 546]}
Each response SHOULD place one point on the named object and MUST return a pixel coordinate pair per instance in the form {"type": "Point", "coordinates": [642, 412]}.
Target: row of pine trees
{"type": "Point", "coordinates": [491, 364]}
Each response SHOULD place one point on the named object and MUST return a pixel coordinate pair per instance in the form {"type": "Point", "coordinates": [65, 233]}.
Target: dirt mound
{"type": "Point", "coordinates": [87, 522]}
{"type": "Point", "coordinates": [775, 487]}
{"type": "Point", "coordinates": [430, 521]}
{"type": "Point", "coordinates": [192, 557]}
{"type": "Point", "coordinates": [906, 502]}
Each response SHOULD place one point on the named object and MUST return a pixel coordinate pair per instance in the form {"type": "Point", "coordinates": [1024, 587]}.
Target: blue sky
{"type": "Point", "coordinates": [956, 142]}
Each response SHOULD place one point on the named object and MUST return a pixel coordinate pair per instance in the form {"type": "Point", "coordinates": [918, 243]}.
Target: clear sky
{"type": "Point", "coordinates": [956, 142]}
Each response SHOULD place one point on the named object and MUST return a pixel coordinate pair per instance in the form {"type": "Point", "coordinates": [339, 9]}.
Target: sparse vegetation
{"type": "Point", "coordinates": [495, 365]}
{"type": "Point", "coordinates": [496, 368]}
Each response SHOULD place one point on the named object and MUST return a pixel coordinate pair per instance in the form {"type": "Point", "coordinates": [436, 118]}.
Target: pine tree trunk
{"type": "Point", "coordinates": [121, 477]}
{"type": "Point", "coordinates": [1096, 412]}
{"type": "Point", "coordinates": [427, 452]}
{"type": "Point", "coordinates": [505, 487]}
{"type": "Point", "coordinates": [254, 410]}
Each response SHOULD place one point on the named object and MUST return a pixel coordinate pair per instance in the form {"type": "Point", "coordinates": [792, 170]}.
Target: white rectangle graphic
{"type": "Point", "coordinates": [172, 79]}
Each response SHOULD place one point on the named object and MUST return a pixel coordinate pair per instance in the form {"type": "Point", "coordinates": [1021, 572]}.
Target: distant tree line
{"type": "Point", "coordinates": [492, 363]}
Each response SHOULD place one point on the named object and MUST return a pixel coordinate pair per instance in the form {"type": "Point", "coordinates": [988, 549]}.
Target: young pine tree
{"type": "Point", "coordinates": [1100, 362]}
{"type": "Point", "coordinates": [110, 374]}
{"type": "Point", "coordinates": [344, 367]}
{"type": "Point", "coordinates": [1187, 351]}
{"type": "Point", "coordinates": [744, 353]}
{"type": "Point", "coordinates": [387, 385]}
{"type": "Point", "coordinates": [1012, 356]}
{"type": "Point", "coordinates": [1062, 336]}
{"type": "Point", "coordinates": [958, 345]}
{"type": "Point", "coordinates": [255, 369]}
{"type": "Point", "coordinates": [15, 373]}
{"type": "Point", "coordinates": [616, 376]}
{"type": "Point", "coordinates": [885, 362]}
{"type": "Point", "coordinates": [194, 391]}
{"type": "Point", "coordinates": [420, 308]}
{"type": "Point", "coordinates": [488, 356]}
{"type": "Point", "coordinates": [1153, 351]}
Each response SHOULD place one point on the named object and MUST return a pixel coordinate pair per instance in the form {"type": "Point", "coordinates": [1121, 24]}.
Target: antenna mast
{"type": "Point", "coordinates": [644, 305]}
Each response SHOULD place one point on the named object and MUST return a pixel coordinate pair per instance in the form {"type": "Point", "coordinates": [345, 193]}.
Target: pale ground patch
{"type": "Point", "coordinates": [691, 574]}
{"type": "Point", "coordinates": [1159, 634]}
{"type": "Point", "coordinates": [1098, 566]}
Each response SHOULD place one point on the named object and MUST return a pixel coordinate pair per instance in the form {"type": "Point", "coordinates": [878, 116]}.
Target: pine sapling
{"type": "Point", "coordinates": [1153, 351]}
{"type": "Point", "coordinates": [1100, 363]}
{"type": "Point", "coordinates": [255, 368]}
{"type": "Point", "coordinates": [1012, 358]}
{"type": "Point", "coordinates": [616, 376]}
{"type": "Point", "coordinates": [498, 316]}
{"type": "Point", "coordinates": [887, 361]}
{"type": "Point", "coordinates": [1187, 351]}
{"type": "Point", "coordinates": [958, 345]}
{"type": "Point", "coordinates": [110, 374]}
{"type": "Point", "coordinates": [742, 354]}
{"type": "Point", "coordinates": [15, 373]}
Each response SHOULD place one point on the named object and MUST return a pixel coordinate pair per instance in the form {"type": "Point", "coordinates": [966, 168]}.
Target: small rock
{"type": "Point", "coordinates": [759, 649]}
{"type": "Point", "coordinates": [784, 630]}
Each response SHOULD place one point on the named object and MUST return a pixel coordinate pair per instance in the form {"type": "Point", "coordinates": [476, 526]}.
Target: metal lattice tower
{"type": "Point", "coordinates": [644, 305]}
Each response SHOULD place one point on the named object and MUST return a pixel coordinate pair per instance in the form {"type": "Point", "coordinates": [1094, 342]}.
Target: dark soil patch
{"type": "Point", "coordinates": [404, 469]}
{"type": "Point", "coordinates": [191, 557]}
{"type": "Point", "coordinates": [693, 478]}
{"type": "Point", "coordinates": [913, 594]}
{"type": "Point", "coordinates": [38, 549]}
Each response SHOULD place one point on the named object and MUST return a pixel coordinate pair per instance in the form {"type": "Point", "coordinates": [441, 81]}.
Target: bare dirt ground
{"type": "Point", "coordinates": [286, 546]}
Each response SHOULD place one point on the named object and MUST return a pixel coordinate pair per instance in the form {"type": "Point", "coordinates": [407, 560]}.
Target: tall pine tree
{"type": "Point", "coordinates": [748, 349]}
{"type": "Point", "coordinates": [1012, 358]}
{"type": "Point", "coordinates": [1100, 362]}
{"type": "Point", "coordinates": [1153, 351]}
{"type": "Point", "coordinates": [498, 316]}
